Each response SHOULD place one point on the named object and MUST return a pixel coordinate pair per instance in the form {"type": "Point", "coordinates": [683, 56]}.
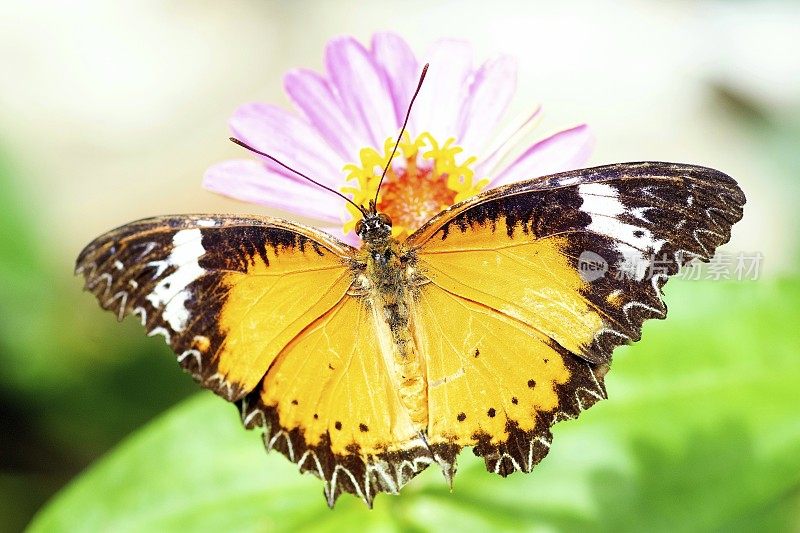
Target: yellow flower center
{"type": "Point", "coordinates": [428, 180]}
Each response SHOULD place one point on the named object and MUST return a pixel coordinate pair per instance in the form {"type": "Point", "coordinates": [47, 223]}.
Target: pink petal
{"type": "Point", "coordinates": [446, 86]}
{"type": "Point", "coordinates": [392, 54]}
{"type": "Point", "coordinates": [489, 96]}
{"type": "Point", "coordinates": [505, 142]}
{"type": "Point", "coordinates": [290, 139]}
{"type": "Point", "coordinates": [565, 150]}
{"type": "Point", "coordinates": [249, 181]}
{"type": "Point", "coordinates": [314, 97]}
{"type": "Point", "coordinates": [350, 237]}
{"type": "Point", "coordinates": [362, 89]}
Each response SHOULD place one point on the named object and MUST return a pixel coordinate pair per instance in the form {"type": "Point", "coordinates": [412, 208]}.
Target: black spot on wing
{"type": "Point", "coordinates": [522, 450]}
{"type": "Point", "coordinates": [361, 474]}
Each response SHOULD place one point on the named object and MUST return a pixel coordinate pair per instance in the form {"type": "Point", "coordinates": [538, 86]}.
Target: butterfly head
{"type": "Point", "coordinates": [374, 226]}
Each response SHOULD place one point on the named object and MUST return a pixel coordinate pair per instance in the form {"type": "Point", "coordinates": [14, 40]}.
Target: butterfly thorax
{"type": "Point", "coordinates": [389, 282]}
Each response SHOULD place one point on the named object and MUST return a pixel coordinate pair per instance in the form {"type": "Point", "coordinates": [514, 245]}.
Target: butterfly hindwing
{"type": "Point", "coordinates": [226, 292]}
{"type": "Point", "coordinates": [328, 404]}
{"type": "Point", "coordinates": [566, 268]}
{"type": "Point", "coordinates": [495, 383]}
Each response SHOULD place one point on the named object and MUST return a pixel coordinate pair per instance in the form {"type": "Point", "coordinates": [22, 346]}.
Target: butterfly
{"type": "Point", "coordinates": [494, 320]}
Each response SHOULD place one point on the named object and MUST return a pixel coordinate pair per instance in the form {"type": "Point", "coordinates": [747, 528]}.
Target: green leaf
{"type": "Point", "coordinates": [700, 433]}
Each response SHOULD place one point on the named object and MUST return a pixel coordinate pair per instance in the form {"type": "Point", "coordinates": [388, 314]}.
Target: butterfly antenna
{"type": "Point", "coordinates": [287, 167]}
{"type": "Point", "coordinates": [402, 130]}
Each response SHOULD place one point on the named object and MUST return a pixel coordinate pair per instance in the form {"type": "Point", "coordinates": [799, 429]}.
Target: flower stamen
{"type": "Point", "coordinates": [424, 178]}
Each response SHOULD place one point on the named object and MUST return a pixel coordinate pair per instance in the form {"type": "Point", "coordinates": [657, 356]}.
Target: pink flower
{"type": "Point", "coordinates": [347, 122]}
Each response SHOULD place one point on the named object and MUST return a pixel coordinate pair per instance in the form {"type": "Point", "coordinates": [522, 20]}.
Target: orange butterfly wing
{"type": "Point", "coordinates": [516, 332]}
{"type": "Point", "coordinates": [226, 292]}
{"type": "Point", "coordinates": [496, 383]}
{"type": "Point", "coordinates": [328, 403]}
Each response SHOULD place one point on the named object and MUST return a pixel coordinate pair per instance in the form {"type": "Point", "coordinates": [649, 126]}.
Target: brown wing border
{"type": "Point", "coordinates": [598, 174]}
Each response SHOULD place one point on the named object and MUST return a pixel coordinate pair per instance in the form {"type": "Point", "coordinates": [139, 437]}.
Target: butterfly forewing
{"type": "Point", "coordinates": [226, 292]}
{"type": "Point", "coordinates": [582, 255]}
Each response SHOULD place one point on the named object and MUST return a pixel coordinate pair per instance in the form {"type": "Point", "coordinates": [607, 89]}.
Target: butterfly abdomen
{"type": "Point", "coordinates": [388, 273]}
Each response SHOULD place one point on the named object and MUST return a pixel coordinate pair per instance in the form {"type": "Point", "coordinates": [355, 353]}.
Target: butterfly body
{"type": "Point", "coordinates": [482, 329]}
{"type": "Point", "coordinates": [389, 274]}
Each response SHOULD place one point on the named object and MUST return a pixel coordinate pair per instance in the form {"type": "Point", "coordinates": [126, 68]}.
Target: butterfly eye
{"type": "Point", "coordinates": [383, 217]}
{"type": "Point", "coordinates": [359, 227]}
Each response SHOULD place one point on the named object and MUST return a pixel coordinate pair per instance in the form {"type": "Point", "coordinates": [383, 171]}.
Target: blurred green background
{"type": "Point", "coordinates": [112, 111]}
